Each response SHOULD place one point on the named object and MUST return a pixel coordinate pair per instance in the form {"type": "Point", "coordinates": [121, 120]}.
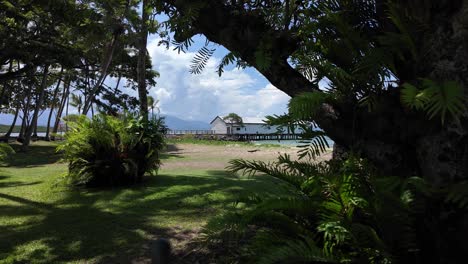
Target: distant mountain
{"type": "Point", "coordinates": [172, 122]}
{"type": "Point", "coordinates": [176, 123]}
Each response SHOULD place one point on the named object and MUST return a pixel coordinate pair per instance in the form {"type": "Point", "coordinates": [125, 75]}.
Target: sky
{"type": "Point", "coordinates": [202, 97]}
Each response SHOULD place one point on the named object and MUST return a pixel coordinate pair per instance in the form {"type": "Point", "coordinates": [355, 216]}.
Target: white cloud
{"type": "Point", "coordinates": [203, 96]}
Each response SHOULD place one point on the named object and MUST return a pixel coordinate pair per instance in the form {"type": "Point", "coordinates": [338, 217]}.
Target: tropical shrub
{"type": "Point", "coordinates": [5, 151]}
{"type": "Point", "coordinates": [337, 212]}
{"type": "Point", "coordinates": [111, 151]}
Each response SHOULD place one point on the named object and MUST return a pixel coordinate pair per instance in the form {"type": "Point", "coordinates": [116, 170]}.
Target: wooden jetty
{"type": "Point", "coordinates": [210, 135]}
{"type": "Point", "coordinates": [259, 137]}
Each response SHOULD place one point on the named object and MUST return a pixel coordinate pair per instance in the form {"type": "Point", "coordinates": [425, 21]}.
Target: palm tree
{"type": "Point", "coordinates": [152, 104]}
{"type": "Point", "coordinates": [76, 101]}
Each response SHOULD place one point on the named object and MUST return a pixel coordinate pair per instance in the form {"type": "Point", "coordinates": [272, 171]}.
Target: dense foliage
{"type": "Point", "coordinates": [5, 151]}
{"type": "Point", "coordinates": [111, 151]}
{"type": "Point", "coordinates": [338, 212]}
{"type": "Point", "coordinates": [60, 54]}
{"type": "Point", "coordinates": [393, 71]}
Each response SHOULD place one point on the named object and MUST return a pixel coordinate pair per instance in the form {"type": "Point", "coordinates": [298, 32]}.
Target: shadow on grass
{"type": "Point", "coordinates": [89, 224]}
{"type": "Point", "coordinates": [171, 151]}
{"type": "Point", "coordinates": [37, 155]}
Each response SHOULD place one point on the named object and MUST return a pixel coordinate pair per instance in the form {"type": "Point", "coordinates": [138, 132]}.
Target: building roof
{"type": "Point", "coordinates": [253, 120]}
{"type": "Point", "coordinates": [246, 120]}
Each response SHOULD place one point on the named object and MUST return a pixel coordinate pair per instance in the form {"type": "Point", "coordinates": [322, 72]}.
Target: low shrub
{"type": "Point", "coordinates": [340, 212]}
{"type": "Point", "coordinates": [111, 151]}
{"type": "Point", "coordinates": [5, 151]}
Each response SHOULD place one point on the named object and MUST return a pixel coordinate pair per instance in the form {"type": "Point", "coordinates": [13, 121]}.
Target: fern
{"type": "Point", "coordinates": [306, 105]}
{"type": "Point", "coordinates": [336, 212]}
{"type": "Point", "coordinates": [315, 146]}
{"type": "Point", "coordinates": [5, 151]}
{"type": "Point", "coordinates": [182, 46]}
{"type": "Point", "coordinates": [225, 61]}
{"type": "Point", "coordinates": [413, 97]}
{"type": "Point", "coordinates": [446, 97]}
{"type": "Point", "coordinates": [435, 99]}
{"type": "Point", "coordinates": [110, 151]}
{"type": "Point", "coordinates": [200, 60]}
{"type": "Point", "coordinates": [253, 167]}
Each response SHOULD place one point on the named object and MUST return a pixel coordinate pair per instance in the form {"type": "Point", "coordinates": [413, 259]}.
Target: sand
{"type": "Point", "coordinates": [195, 156]}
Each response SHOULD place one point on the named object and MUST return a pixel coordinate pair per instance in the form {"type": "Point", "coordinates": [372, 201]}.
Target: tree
{"type": "Point", "coordinates": [152, 104]}
{"type": "Point", "coordinates": [366, 51]}
{"type": "Point", "coordinates": [233, 119]}
{"type": "Point", "coordinates": [142, 53]}
{"type": "Point", "coordinates": [386, 79]}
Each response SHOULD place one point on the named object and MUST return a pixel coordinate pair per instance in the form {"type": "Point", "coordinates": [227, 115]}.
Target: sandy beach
{"type": "Point", "coordinates": [197, 156]}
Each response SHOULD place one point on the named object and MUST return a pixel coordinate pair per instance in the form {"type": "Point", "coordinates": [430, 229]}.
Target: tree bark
{"type": "Point", "coordinates": [10, 130]}
{"type": "Point", "coordinates": [52, 106]}
{"type": "Point", "coordinates": [63, 101]}
{"type": "Point", "coordinates": [6, 85]}
{"type": "Point", "coordinates": [24, 119]}
{"type": "Point", "coordinates": [141, 68]}
{"type": "Point", "coordinates": [42, 88]}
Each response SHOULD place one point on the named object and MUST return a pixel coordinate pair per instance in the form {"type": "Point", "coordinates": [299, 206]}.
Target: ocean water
{"type": "Point", "coordinates": [288, 142]}
{"type": "Point", "coordinates": [39, 134]}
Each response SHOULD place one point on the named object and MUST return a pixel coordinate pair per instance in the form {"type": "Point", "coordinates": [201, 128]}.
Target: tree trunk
{"type": "Point", "coordinates": [10, 130]}
{"type": "Point", "coordinates": [400, 141]}
{"type": "Point", "coordinates": [24, 122]}
{"type": "Point", "coordinates": [63, 101]}
{"type": "Point", "coordinates": [141, 68]}
{"type": "Point", "coordinates": [42, 88]}
{"type": "Point", "coordinates": [52, 106]}
{"type": "Point", "coordinates": [6, 85]}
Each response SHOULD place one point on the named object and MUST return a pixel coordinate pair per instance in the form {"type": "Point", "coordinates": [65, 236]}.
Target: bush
{"type": "Point", "coordinates": [340, 212]}
{"type": "Point", "coordinates": [5, 151]}
{"type": "Point", "coordinates": [111, 151]}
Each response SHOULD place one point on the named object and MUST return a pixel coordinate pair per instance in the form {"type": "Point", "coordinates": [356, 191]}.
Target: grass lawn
{"type": "Point", "coordinates": [42, 221]}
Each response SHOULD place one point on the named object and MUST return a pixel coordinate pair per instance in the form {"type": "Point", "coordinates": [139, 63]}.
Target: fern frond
{"type": "Point", "coordinates": [253, 167]}
{"type": "Point", "coordinates": [413, 97]}
{"type": "Point", "coordinates": [225, 61]}
{"type": "Point", "coordinates": [200, 60]}
{"type": "Point", "coordinates": [306, 105]}
{"type": "Point", "coordinates": [446, 97]}
{"type": "Point", "coordinates": [315, 146]}
{"type": "Point", "coordinates": [182, 46]}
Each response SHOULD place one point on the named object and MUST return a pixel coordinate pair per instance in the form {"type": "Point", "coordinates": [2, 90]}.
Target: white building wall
{"type": "Point", "coordinates": [219, 126]}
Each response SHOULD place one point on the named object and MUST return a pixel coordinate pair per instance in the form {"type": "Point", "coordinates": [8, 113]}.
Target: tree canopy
{"type": "Point", "coordinates": [384, 78]}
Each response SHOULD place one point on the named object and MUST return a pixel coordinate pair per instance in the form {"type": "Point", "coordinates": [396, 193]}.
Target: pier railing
{"type": "Point", "coordinates": [190, 132]}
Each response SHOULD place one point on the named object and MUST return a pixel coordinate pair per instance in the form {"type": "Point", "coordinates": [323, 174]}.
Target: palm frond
{"type": "Point", "coordinates": [252, 167]}
{"type": "Point", "coordinates": [200, 60]}
{"type": "Point", "coordinates": [306, 105]}
{"type": "Point", "coordinates": [182, 46]}
{"type": "Point", "coordinates": [225, 61]}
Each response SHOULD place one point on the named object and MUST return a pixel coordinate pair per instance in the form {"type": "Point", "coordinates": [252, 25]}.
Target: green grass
{"type": "Point", "coordinates": [42, 221]}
